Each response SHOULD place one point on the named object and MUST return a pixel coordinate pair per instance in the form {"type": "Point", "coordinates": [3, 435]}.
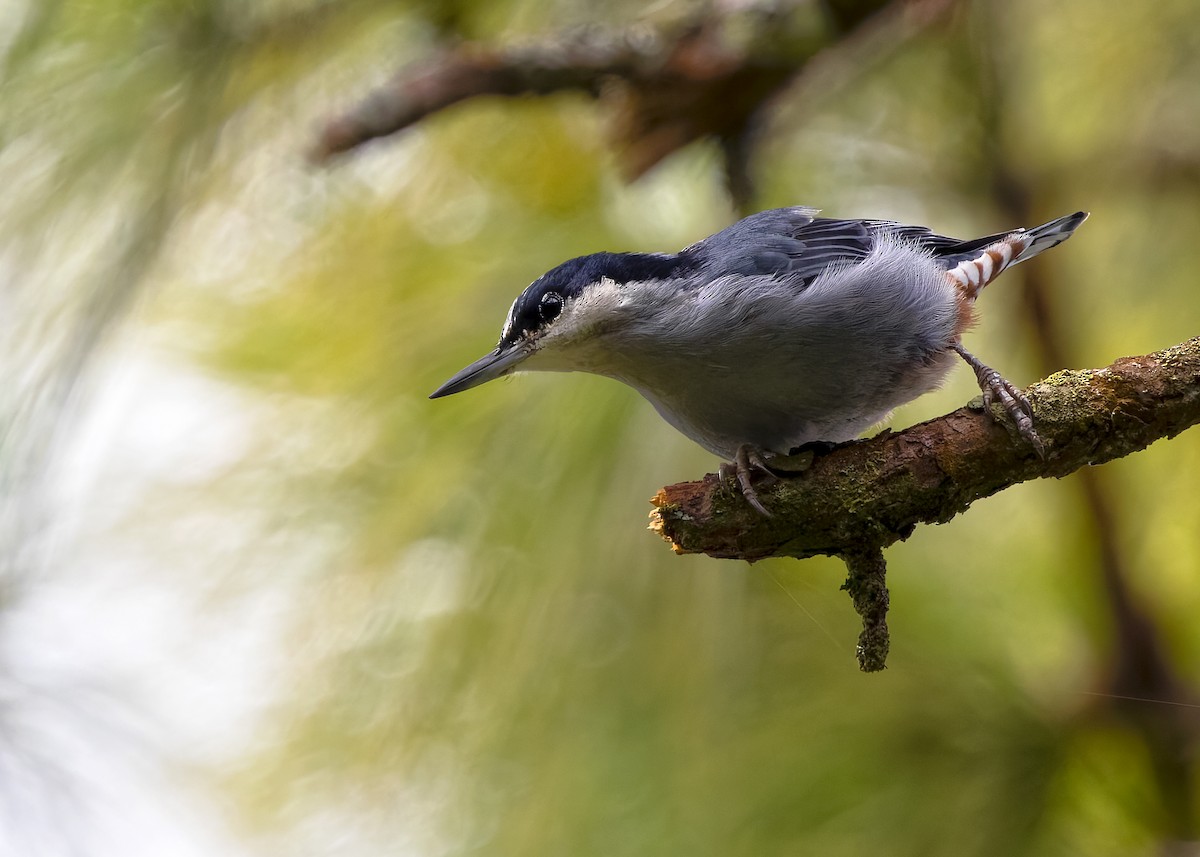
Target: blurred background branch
{"type": "Point", "coordinates": [709, 77]}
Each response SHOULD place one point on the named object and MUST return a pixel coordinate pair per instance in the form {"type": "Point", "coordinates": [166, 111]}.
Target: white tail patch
{"type": "Point", "coordinates": [973, 274]}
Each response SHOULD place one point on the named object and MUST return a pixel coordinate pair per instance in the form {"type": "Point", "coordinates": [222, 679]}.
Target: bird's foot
{"type": "Point", "coordinates": [745, 461]}
{"type": "Point", "coordinates": [996, 388]}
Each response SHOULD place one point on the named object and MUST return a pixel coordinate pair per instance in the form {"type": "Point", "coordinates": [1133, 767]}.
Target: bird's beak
{"type": "Point", "coordinates": [499, 362]}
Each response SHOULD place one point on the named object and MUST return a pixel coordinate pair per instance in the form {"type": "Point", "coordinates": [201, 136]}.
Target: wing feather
{"type": "Point", "coordinates": [794, 243]}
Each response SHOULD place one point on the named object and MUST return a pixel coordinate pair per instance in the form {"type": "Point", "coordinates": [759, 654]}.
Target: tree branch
{"type": "Point", "coordinates": [865, 495]}
{"type": "Point", "coordinates": [875, 492]}
{"type": "Point", "coordinates": [667, 89]}
{"type": "Point", "coordinates": [678, 88]}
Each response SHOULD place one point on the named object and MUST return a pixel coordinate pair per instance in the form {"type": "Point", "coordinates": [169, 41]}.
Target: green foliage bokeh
{"type": "Point", "coordinates": [491, 655]}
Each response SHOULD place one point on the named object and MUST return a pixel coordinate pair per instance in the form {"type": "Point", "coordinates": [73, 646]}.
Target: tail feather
{"type": "Point", "coordinates": [1049, 235]}
{"type": "Point", "coordinates": [972, 274]}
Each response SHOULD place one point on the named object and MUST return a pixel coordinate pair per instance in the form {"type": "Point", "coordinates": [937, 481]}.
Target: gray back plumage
{"type": "Point", "coordinates": [795, 244]}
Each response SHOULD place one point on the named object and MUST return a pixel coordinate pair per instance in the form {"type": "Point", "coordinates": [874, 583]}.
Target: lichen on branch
{"type": "Point", "coordinates": [875, 492]}
{"type": "Point", "coordinates": [865, 495]}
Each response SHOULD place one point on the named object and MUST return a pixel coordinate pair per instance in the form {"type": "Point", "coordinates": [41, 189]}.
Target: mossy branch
{"type": "Point", "coordinates": [865, 495]}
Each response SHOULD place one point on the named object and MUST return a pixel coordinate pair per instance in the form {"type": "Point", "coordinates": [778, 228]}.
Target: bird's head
{"type": "Point", "coordinates": [567, 307]}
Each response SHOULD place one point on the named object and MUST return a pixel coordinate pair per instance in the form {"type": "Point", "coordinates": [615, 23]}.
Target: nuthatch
{"type": "Point", "coordinates": [783, 330]}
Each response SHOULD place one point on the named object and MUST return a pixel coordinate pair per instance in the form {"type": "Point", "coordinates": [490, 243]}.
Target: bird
{"type": "Point", "coordinates": [784, 332]}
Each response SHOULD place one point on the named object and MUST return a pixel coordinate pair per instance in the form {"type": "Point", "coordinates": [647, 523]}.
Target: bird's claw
{"type": "Point", "coordinates": [996, 388]}
{"type": "Point", "coordinates": [745, 461]}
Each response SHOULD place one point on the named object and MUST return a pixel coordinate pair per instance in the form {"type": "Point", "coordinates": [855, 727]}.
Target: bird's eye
{"type": "Point", "coordinates": [551, 305]}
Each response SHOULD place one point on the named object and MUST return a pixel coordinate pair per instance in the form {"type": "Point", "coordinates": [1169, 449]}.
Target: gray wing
{"type": "Point", "coordinates": [950, 250]}
{"type": "Point", "coordinates": [795, 243]}
{"type": "Point", "coordinates": [782, 242]}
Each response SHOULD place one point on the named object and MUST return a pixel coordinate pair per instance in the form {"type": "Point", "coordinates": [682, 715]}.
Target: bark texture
{"type": "Point", "coordinates": [866, 495]}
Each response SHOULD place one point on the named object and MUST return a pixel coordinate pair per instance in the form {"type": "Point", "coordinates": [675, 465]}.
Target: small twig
{"type": "Point", "coordinates": [866, 581]}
